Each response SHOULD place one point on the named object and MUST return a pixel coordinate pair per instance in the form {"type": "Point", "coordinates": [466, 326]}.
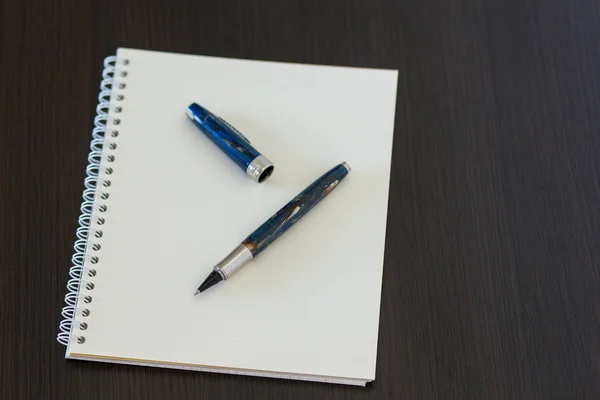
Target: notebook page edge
{"type": "Point", "coordinates": [222, 370]}
{"type": "Point", "coordinates": [290, 63]}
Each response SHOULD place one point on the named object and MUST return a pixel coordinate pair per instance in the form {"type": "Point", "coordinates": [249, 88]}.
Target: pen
{"type": "Point", "coordinates": [275, 226]}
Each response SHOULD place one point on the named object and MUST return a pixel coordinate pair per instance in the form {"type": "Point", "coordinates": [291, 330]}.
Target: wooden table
{"type": "Point", "coordinates": [492, 277]}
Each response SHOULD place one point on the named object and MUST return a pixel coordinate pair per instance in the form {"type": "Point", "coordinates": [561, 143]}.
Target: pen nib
{"type": "Point", "coordinates": [210, 281]}
{"type": "Point", "coordinates": [197, 293]}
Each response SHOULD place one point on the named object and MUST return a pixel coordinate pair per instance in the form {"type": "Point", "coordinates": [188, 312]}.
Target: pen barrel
{"type": "Point", "coordinates": [293, 211]}
{"type": "Point", "coordinates": [235, 145]}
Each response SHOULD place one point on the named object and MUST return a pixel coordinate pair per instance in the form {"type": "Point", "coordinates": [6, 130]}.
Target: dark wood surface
{"type": "Point", "coordinates": [492, 276]}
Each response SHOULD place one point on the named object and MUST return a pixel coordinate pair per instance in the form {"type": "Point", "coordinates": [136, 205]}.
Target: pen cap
{"type": "Point", "coordinates": [231, 141]}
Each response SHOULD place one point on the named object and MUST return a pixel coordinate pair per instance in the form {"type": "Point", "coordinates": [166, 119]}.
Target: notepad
{"type": "Point", "coordinates": [163, 204]}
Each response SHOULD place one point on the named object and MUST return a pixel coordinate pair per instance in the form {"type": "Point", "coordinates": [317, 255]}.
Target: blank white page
{"type": "Point", "coordinates": [309, 304]}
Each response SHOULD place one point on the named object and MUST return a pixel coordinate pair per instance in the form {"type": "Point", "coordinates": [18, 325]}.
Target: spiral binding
{"type": "Point", "coordinates": [93, 208]}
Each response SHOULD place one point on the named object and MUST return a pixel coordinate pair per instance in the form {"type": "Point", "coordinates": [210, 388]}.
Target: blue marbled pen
{"type": "Point", "coordinates": [231, 142]}
{"type": "Point", "coordinates": [275, 226]}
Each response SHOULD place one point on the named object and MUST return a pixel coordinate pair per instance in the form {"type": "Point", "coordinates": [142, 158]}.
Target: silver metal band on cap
{"type": "Point", "coordinates": [260, 169]}
{"type": "Point", "coordinates": [234, 261]}
{"type": "Point", "coordinates": [347, 166]}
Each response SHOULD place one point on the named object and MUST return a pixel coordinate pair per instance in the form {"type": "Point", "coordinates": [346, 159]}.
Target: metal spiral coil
{"type": "Point", "coordinates": [93, 208]}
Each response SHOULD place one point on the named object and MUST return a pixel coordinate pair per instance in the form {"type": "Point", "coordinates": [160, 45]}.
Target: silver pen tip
{"type": "Point", "coordinates": [197, 293]}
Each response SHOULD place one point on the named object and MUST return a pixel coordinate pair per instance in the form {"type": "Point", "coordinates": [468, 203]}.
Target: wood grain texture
{"type": "Point", "coordinates": [493, 249]}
